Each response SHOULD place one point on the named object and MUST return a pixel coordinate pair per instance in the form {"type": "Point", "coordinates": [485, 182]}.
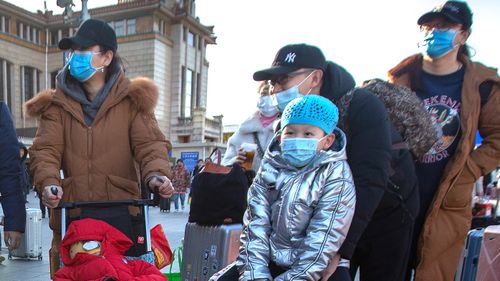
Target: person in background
{"type": "Point", "coordinates": [462, 96]}
{"type": "Point", "coordinates": [198, 167]}
{"type": "Point", "coordinates": [301, 203]}
{"type": "Point", "coordinates": [99, 128]}
{"type": "Point", "coordinates": [257, 129]}
{"type": "Point", "coordinates": [25, 181]}
{"type": "Point", "coordinates": [181, 182]}
{"type": "Point", "coordinates": [196, 171]}
{"type": "Point", "coordinates": [11, 194]}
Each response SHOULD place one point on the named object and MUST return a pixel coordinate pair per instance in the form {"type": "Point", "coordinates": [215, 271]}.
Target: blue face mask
{"type": "Point", "coordinates": [266, 106]}
{"type": "Point", "coordinates": [80, 65]}
{"type": "Point", "coordinates": [299, 151]}
{"type": "Point", "coordinates": [284, 97]}
{"type": "Point", "coordinates": [439, 43]}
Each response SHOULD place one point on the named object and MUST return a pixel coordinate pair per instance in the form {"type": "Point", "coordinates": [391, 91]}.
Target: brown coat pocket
{"type": "Point", "coordinates": [121, 188]}
{"type": "Point", "coordinates": [459, 195]}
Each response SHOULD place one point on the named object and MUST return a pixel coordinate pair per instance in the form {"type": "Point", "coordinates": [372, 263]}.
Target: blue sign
{"type": "Point", "coordinates": [190, 159]}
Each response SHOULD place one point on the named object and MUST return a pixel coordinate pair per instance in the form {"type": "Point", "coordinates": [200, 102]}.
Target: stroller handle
{"type": "Point", "coordinates": [105, 204]}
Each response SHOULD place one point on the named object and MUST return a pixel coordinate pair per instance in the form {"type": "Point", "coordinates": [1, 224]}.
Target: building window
{"type": "Point", "coordinates": [27, 83]}
{"type": "Point", "coordinates": [5, 83]}
{"type": "Point", "coordinates": [183, 83]}
{"type": "Point", "coordinates": [53, 38]}
{"type": "Point", "coordinates": [184, 34]}
{"type": "Point", "coordinates": [131, 26]}
{"type": "Point", "coordinates": [27, 32]}
{"type": "Point", "coordinates": [190, 38]}
{"type": "Point", "coordinates": [188, 95]}
{"type": "Point", "coordinates": [119, 28]}
{"type": "Point", "coordinates": [187, 92]}
{"type": "Point", "coordinates": [183, 139]}
{"type": "Point", "coordinates": [20, 29]}
{"type": "Point", "coordinates": [30, 83]}
{"type": "Point", "coordinates": [4, 24]}
{"type": "Point", "coordinates": [35, 36]}
{"type": "Point", "coordinates": [200, 43]}
{"type": "Point", "coordinates": [198, 90]}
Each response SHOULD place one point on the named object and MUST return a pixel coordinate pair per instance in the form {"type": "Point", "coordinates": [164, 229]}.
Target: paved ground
{"type": "Point", "coordinates": [34, 270]}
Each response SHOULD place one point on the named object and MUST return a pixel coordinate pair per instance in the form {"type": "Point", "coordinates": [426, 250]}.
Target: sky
{"type": "Point", "coordinates": [366, 37]}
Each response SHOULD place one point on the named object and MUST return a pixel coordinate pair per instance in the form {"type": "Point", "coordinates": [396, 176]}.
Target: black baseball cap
{"type": "Point", "coordinates": [291, 58]}
{"type": "Point", "coordinates": [91, 32]}
{"type": "Point", "coordinates": [453, 11]}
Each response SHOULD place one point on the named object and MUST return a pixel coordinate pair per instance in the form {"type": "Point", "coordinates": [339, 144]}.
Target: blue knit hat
{"type": "Point", "coordinates": [311, 110]}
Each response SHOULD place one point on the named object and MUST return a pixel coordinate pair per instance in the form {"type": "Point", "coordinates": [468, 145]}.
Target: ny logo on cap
{"type": "Point", "coordinates": [290, 57]}
{"type": "Point", "coordinates": [453, 8]}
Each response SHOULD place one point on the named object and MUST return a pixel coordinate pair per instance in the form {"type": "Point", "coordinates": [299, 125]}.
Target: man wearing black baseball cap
{"type": "Point", "coordinates": [301, 69]}
{"type": "Point", "coordinates": [462, 96]}
{"type": "Point", "coordinates": [291, 58]}
{"type": "Point", "coordinates": [296, 70]}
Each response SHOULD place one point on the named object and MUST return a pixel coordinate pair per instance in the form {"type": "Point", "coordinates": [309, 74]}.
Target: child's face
{"type": "Point", "coordinates": [309, 132]}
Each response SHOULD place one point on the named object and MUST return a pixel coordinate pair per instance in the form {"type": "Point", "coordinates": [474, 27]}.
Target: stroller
{"type": "Point", "coordinates": [109, 217]}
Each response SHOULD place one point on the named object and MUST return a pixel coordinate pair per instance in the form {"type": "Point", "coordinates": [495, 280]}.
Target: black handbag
{"type": "Point", "coordinates": [218, 194]}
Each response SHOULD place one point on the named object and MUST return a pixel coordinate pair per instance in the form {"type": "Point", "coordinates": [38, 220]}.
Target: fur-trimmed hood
{"type": "Point", "coordinates": [142, 91]}
{"type": "Point", "coordinates": [407, 113]}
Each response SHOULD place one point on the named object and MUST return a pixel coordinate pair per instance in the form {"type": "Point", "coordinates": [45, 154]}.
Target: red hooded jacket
{"type": "Point", "coordinates": [111, 263]}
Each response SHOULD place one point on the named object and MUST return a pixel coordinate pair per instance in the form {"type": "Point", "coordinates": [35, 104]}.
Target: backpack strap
{"type": "Point", "coordinates": [485, 90]}
{"type": "Point", "coordinates": [259, 146]}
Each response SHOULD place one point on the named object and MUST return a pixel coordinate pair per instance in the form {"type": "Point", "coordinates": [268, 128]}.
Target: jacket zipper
{"type": "Point", "coordinates": [89, 157]}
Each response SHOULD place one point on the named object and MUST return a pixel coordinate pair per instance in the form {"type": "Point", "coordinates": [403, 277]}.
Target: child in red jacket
{"type": "Point", "coordinates": [104, 260]}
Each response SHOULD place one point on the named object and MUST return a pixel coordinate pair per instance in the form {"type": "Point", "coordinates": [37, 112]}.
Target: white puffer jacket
{"type": "Point", "coordinates": [245, 133]}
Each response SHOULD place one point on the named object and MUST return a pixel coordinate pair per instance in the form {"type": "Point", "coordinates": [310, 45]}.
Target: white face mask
{"type": "Point", "coordinates": [266, 106]}
{"type": "Point", "coordinates": [284, 97]}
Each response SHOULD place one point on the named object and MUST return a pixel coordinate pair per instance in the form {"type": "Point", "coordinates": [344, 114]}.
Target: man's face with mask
{"type": "Point", "coordinates": [291, 86]}
{"type": "Point", "coordinates": [298, 78]}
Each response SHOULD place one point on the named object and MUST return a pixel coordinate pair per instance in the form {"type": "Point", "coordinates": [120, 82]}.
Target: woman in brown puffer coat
{"type": "Point", "coordinates": [97, 131]}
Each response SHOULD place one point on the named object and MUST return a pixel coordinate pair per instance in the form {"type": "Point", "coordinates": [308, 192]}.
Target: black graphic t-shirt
{"type": "Point", "coordinates": [441, 96]}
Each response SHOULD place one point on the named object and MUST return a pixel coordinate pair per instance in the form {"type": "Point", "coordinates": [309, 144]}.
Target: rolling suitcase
{"type": "Point", "coordinates": [489, 259]}
{"type": "Point", "coordinates": [31, 243]}
{"type": "Point", "coordinates": [467, 268]}
{"type": "Point", "coordinates": [164, 204]}
{"type": "Point", "coordinates": [208, 249]}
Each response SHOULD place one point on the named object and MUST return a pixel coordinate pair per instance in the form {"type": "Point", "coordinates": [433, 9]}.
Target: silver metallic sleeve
{"type": "Point", "coordinates": [253, 260]}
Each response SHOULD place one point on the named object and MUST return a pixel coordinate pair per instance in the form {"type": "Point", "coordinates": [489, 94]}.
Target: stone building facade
{"type": "Point", "coordinates": [160, 39]}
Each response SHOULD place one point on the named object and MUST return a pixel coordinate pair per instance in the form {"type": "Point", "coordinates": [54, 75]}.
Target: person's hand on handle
{"type": "Point", "coordinates": [165, 188]}
{"type": "Point", "coordinates": [241, 157]}
{"type": "Point", "coordinates": [51, 195]}
{"type": "Point", "coordinates": [12, 239]}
